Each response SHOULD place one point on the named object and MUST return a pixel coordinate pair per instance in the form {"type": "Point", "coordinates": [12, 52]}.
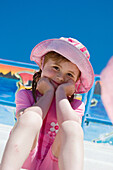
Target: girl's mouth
{"type": "Point", "coordinates": [55, 84]}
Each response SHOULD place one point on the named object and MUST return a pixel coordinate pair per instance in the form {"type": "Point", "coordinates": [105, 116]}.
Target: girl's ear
{"type": "Point", "coordinates": [78, 76]}
{"type": "Point", "coordinates": [42, 62]}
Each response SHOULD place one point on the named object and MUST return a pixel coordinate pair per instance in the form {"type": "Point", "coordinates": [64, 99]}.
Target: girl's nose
{"type": "Point", "coordinates": [60, 77]}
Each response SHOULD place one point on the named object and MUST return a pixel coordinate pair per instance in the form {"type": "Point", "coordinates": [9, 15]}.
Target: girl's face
{"type": "Point", "coordinates": [60, 72]}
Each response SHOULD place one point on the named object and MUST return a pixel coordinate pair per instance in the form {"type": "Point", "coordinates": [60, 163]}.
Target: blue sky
{"type": "Point", "coordinates": [25, 23]}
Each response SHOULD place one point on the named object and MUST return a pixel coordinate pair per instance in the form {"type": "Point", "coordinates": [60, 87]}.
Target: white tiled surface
{"type": "Point", "coordinates": [4, 134]}
{"type": "Point", "coordinates": [97, 156]}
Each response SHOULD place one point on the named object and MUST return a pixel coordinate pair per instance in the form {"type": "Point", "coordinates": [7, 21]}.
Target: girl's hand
{"type": "Point", "coordinates": [44, 85]}
{"type": "Point", "coordinates": [68, 88]}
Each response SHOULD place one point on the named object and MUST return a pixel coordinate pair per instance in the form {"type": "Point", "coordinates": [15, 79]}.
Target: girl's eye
{"type": "Point", "coordinates": [69, 74]}
{"type": "Point", "coordinates": [56, 68]}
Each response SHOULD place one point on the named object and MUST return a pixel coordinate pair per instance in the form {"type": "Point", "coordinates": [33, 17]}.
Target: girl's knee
{"type": "Point", "coordinates": [30, 119]}
{"type": "Point", "coordinates": [71, 128]}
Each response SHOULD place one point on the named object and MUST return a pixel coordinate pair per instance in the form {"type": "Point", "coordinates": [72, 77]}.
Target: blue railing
{"type": "Point", "coordinates": [87, 97]}
{"type": "Point", "coordinates": [18, 64]}
{"type": "Point", "coordinates": [87, 107]}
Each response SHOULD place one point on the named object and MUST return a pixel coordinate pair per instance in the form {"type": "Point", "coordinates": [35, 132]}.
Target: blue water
{"type": "Point", "coordinates": [7, 115]}
{"type": "Point", "coordinates": [97, 131]}
{"type": "Point", "coordinates": [8, 88]}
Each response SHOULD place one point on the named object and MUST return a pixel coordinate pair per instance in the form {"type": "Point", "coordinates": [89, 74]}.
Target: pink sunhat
{"type": "Point", "coordinates": [74, 51]}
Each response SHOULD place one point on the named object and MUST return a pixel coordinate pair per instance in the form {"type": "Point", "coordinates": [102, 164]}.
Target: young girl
{"type": "Point", "coordinates": [48, 133]}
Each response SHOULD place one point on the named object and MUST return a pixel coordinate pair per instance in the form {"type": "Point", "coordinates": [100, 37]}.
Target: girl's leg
{"type": "Point", "coordinates": [68, 146]}
{"type": "Point", "coordinates": [20, 141]}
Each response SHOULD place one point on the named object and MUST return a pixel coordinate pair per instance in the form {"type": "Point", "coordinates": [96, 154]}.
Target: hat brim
{"type": "Point", "coordinates": [73, 54]}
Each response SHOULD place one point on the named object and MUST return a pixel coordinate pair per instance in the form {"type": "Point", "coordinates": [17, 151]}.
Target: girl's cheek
{"type": "Point", "coordinates": [69, 78]}
{"type": "Point", "coordinates": [48, 73]}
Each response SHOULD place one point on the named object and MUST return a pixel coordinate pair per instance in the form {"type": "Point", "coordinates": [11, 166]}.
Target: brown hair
{"type": "Point", "coordinates": [55, 57]}
{"type": "Point", "coordinates": [36, 78]}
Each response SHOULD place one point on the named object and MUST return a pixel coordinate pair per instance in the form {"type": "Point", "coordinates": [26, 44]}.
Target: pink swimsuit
{"type": "Point", "coordinates": [41, 158]}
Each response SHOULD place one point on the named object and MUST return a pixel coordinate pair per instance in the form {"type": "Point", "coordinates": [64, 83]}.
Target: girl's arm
{"type": "Point", "coordinates": [64, 110]}
{"type": "Point", "coordinates": [43, 103]}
